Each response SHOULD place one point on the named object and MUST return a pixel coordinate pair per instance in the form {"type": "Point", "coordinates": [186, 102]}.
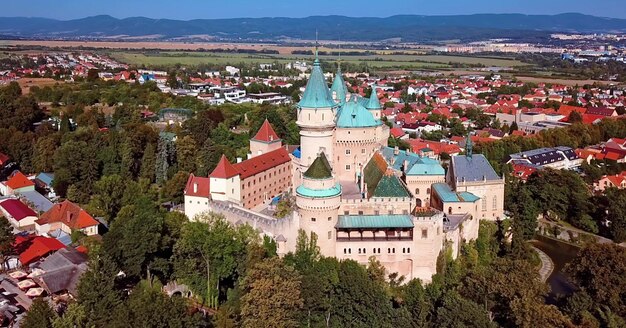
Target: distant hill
{"type": "Point", "coordinates": [408, 28]}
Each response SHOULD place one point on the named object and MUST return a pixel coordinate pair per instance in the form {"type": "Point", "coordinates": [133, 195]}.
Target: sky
{"type": "Point", "coordinates": [207, 9]}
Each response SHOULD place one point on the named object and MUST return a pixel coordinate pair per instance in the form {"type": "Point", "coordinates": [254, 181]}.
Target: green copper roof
{"type": "Point", "coordinates": [319, 169]}
{"type": "Point", "coordinates": [316, 94]}
{"type": "Point", "coordinates": [322, 193]}
{"type": "Point", "coordinates": [374, 221]}
{"type": "Point", "coordinates": [390, 186]}
{"type": "Point", "coordinates": [355, 115]}
{"type": "Point", "coordinates": [373, 102]}
{"type": "Point", "coordinates": [448, 196]}
{"type": "Point", "coordinates": [426, 169]}
{"type": "Point", "coordinates": [339, 87]}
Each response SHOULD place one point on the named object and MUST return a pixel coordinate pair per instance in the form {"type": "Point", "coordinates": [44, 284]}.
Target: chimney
{"type": "Point", "coordinates": [396, 151]}
{"type": "Point", "coordinates": [238, 159]}
{"type": "Point", "coordinates": [249, 155]}
{"type": "Point", "coordinates": [195, 187]}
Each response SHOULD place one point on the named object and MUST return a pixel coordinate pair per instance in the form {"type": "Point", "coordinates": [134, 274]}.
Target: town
{"type": "Point", "coordinates": [311, 190]}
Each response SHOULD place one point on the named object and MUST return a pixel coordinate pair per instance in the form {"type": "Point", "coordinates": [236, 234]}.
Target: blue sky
{"type": "Point", "coordinates": [190, 9]}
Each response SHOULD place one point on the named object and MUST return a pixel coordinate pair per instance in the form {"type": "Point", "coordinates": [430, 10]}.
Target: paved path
{"type": "Point", "coordinates": [547, 266]}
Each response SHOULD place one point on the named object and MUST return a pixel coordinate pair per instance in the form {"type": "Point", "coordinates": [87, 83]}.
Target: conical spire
{"type": "Point", "coordinates": [339, 86]}
{"type": "Point", "coordinates": [373, 103]}
{"type": "Point", "coordinates": [316, 94]}
{"type": "Point", "coordinates": [319, 169]}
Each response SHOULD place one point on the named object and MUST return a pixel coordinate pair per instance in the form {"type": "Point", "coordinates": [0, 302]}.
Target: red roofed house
{"type": "Point", "coordinates": [611, 181]}
{"type": "Point", "coordinates": [32, 248]}
{"type": "Point", "coordinates": [265, 174]}
{"type": "Point", "coordinates": [18, 182]}
{"type": "Point", "coordinates": [398, 133]}
{"type": "Point", "coordinates": [523, 171]}
{"type": "Point", "coordinates": [18, 214]}
{"type": "Point", "coordinates": [68, 217]}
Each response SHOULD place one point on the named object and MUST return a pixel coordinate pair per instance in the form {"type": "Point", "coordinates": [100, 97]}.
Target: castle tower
{"type": "Point", "coordinates": [265, 141]}
{"type": "Point", "coordinates": [316, 118]}
{"type": "Point", "coordinates": [318, 200]}
{"type": "Point", "coordinates": [373, 104]}
{"type": "Point", "coordinates": [225, 182]}
{"type": "Point", "coordinates": [338, 89]}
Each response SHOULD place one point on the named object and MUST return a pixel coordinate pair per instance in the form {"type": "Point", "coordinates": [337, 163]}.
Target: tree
{"type": "Point", "coordinates": [148, 306]}
{"type": "Point", "coordinates": [148, 163]}
{"type": "Point", "coordinates": [109, 191]}
{"type": "Point", "coordinates": [39, 315]}
{"type": "Point", "coordinates": [574, 117]}
{"type": "Point", "coordinates": [186, 151]}
{"type": "Point", "coordinates": [97, 294]}
{"type": "Point", "coordinates": [598, 270]}
{"type": "Point", "coordinates": [272, 295]}
{"type": "Point", "coordinates": [135, 255]}
{"type": "Point", "coordinates": [513, 127]}
{"type": "Point", "coordinates": [73, 317]}
{"type": "Point", "coordinates": [7, 240]}
{"type": "Point", "coordinates": [208, 254]}
{"type": "Point", "coordinates": [172, 80]}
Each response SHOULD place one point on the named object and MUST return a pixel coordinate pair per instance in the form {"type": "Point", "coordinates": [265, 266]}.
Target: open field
{"type": "Point", "coordinates": [27, 83]}
{"type": "Point", "coordinates": [570, 82]}
{"type": "Point", "coordinates": [191, 59]}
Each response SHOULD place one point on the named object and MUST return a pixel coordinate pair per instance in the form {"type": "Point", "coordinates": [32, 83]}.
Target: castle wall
{"type": "Point", "coordinates": [353, 148]}
{"type": "Point", "coordinates": [376, 206]}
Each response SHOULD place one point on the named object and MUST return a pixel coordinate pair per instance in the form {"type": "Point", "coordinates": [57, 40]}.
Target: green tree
{"type": "Point", "coordinates": [97, 293]}
{"type": "Point", "coordinates": [598, 270]}
{"type": "Point", "coordinates": [39, 315]}
{"type": "Point", "coordinates": [208, 254]}
{"type": "Point", "coordinates": [7, 240]}
{"type": "Point", "coordinates": [135, 255]}
{"type": "Point", "coordinates": [73, 317]}
{"type": "Point", "coordinates": [272, 295]}
{"type": "Point", "coordinates": [109, 191]}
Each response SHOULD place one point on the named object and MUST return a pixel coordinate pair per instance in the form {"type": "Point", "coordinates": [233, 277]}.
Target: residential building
{"type": "Point", "coordinates": [68, 217]}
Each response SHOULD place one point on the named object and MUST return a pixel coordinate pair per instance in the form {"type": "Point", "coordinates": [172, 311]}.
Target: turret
{"type": "Point", "coordinates": [373, 104]}
{"type": "Point", "coordinates": [318, 199]}
{"type": "Point", "coordinates": [338, 89]}
{"type": "Point", "coordinates": [225, 182]}
{"type": "Point", "coordinates": [316, 118]}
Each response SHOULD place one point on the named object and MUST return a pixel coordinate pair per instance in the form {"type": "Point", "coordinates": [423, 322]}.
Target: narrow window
{"type": "Point", "coordinates": [424, 233]}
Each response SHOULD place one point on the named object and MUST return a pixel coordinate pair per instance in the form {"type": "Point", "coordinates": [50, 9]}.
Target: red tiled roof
{"type": "Point", "coordinates": [262, 162]}
{"type": "Point", "coordinates": [523, 171]}
{"type": "Point", "coordinates": [397, 132]}
{"type": "Point", "coordinates": [69, 214]}
{"type": "Point", "coordinates": [266, 133]}
{"type": "Point", "coordinates": [202, 184]}
{"type": "Point", "coordinates": [37, 247]}
{"type": "Point", "coordinates": [19, 180]}
{"type": "Point", "coordinates": [565, 110]}
{"type": "Point", "coordinates": [17, 209]}
{"type": "Point", "coordinates": [224, 169]}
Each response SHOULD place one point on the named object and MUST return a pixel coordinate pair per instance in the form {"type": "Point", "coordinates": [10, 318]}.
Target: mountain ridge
{"type": "Point", "coordinates": [409, 28]}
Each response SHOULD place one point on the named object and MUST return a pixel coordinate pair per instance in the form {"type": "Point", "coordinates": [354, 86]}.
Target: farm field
{"type": "Point", "coordinates": [386, 61]}
{"type": "Point", "coordinates": [187, 58]}
{"type": "Point", "coordinates": [27, 83]}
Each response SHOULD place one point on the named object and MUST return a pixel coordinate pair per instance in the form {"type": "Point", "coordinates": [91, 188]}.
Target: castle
{"type": "Point", "coordinates": [360, 197]}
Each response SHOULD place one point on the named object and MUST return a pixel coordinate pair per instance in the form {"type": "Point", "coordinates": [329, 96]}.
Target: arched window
{"type": "Point", "coordinates": [418, 202]}
{"type": "Point", "coordinates": [417, 191]}
{"type": "Point", "coordinates": [495, 203]}
{"type": "Point", "coordinates": [484, 202]}
{"type": "Point", "coordinates": [427, 191]}
{"type": "Point", "coordinates": [450, 210]}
